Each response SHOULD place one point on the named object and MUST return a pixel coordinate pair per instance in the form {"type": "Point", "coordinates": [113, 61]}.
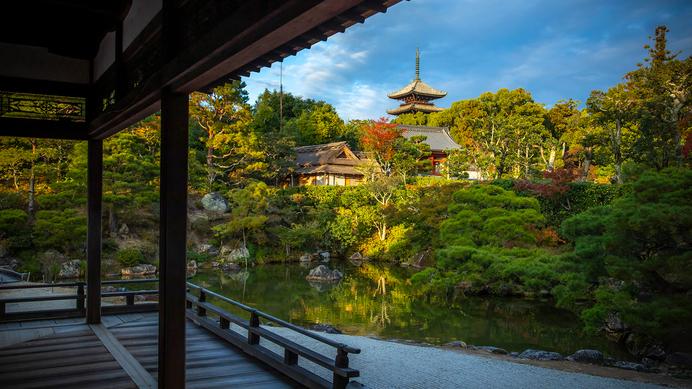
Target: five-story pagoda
{"type": "Point", "coordinates": [416, 96]}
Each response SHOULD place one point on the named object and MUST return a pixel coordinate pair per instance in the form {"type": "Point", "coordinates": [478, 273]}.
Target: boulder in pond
{"type": "Point", "coordinates": [641, 346]}
{"type": "Point", "coordinates": [70, 269]}
{"type": "Point", "coordinates": [456, 343]}
{"type": "Point", "coordinates": [494, 350]}
{"type": "Point", "coordinates": [681, 360]}
{"type": "Point", "coordinates": [421, 260]}
{"type": "Point", "coordinates": [631, 366]}
{"type": "Point", "coordinates": [231, 267]}
{"type": "Point", "coordinates": [323, 286]}
{"type": "Point", "coordinates": [328, 328]}
{"type": "Point", "coordinates": [541, 355]}
{"type": "Point", "coordinates": [306, 257]}
{"type": "Point", "coordinates": [587, 356]}
{"type": "Point", "coordinates": [192, 265]}
{"type": "Point", "coordinates": [239, 253]}
{"type": "Point", "coordinates": [215, 202]}
{"type": "Point", "coordinates": [209, 250]}
{"type": "Point", "coordinates": [322, 273]}
{"type": "Point", "coordinates": [139, 270]}
{"type": "Point", "coordinates": [356, 257]}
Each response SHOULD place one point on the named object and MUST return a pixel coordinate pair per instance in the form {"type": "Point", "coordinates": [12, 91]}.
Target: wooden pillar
{"type": "Point", "coordinates": [173, 239]}
{"type": "Point", "coordinates": [94, 196]}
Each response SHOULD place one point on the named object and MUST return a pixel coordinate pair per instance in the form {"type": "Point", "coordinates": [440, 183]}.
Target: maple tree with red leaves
{"type": "Point", "coordinates": [380, 139]}
{"type": "Point", "coordinates": [556, 189]}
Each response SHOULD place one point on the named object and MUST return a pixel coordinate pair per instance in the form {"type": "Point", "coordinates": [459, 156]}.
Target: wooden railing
{"type": "Point", "coordinates": [13, 274]}
{"type": "Point", "coordinates": [78, 310]}
{"type": "Point", "coordinates": [198, 308]}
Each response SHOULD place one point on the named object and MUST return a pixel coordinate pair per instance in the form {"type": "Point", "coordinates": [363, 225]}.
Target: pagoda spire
{"type": "Point", "coordinates": [417, 65]}
{"type": "Point", "coordinates": [416, 96]}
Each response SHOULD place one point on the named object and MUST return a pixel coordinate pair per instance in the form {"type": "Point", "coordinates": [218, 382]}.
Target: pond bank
{"type": "Point", "coordinates": [385, 364]}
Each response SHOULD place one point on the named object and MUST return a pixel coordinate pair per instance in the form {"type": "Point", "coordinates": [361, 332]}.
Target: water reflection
{"type": "Point", "coordinates": [375, 298]}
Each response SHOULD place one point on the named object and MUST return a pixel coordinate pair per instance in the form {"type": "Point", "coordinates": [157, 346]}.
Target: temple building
{"type": "Point", "coordinates": [416, 96]}
{"type": "Point", "coordinates": [327, 164]}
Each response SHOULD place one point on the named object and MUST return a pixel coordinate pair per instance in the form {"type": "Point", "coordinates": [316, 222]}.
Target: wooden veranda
{"type": "Point", "coordinates": [58, 348]}
{"type": "Point", "coordinates": [84, 70]}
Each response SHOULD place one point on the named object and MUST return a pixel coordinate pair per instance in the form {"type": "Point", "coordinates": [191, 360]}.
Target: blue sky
{"type": "Point", "coordinates": [555, 49]}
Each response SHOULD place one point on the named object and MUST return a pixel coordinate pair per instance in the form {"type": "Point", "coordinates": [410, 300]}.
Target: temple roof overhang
{"type": "Point", "coordinates": [438, 138]}
{"type": "Point", "coordinates": [417, 87]}
{"type": "Point", "coordinates": [413, 107]}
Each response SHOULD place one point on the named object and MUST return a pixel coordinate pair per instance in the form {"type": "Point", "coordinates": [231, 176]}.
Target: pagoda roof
{"type": "Point", "coordinates": [427, 108]}
{"type": "Point", "coordinates": [417, 87]}
{"type": "Point", "coordinates": [439, 138]}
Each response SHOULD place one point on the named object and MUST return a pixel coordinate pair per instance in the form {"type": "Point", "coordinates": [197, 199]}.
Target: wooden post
{"type": "Point", "coordinates": [290, 358]}
{"type": "Point", "coordinates": [202, 299]}
{"type": "Point", "coordinates": [253, 338]}
{"type": "Point", "coordinates": [94, 196]}
{"type": "Point", "coordinates": [80, 293]}
{"type": "Point", "coordinates": [173, 239]}
{"type": "Point", "coordinates": [224, 324]}
{"type": "Point", "coordinates": [341, 361]}
{"type": "Point", "coordinates": [130, 299]}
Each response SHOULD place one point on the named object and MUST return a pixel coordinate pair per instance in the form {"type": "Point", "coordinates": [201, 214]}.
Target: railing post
{"type": "Point", "coordinates": [342, 362]}
{"type": "Point", "coordinates": [253, 338]}
{"type": "Point", "coordinates": [80, 296]}
{"type": "Point", "coordinates": [130, 299]}
{"type": "Point", "coordinates": [202, 299]}
{"type": "Point", "coordinates": [290, 358]}
{"type": "Point", "coordinates": [2, 308]}
{"type": "Point", "coordinates": [224, 324]}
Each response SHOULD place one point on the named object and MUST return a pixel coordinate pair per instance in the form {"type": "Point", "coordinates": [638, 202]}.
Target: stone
{"type": "Point", "coordinates": [504, 290]}
{"type": "Point", "coordinates": [192, 265]}
{"type": "Point", "coordinates": [356, 257]}
{"type": "Point", "coordinates": [208, 249]}
{"type": "Point", "coordinates": [328, 328]}
{"type": "Point", "coordinates": [240, 253]}
{"type": "Point", "coordinates": [269, 324]}
{"type": "Point", "coordinates": [225, 250]}
{"type": "Point", "coordinates": [372, 336]}
{"type": "Point", "coordinates": [324, 256]}
{"type": "Point", "coordinates": [649, 363]}
{"type": "Point", "coordinates": [139, 270]}
{"type": "Point", "coordinates": [405, 264]}
{"type": "Point", "coordinates": [631, 366]}
{"type": "Point", "coordinates": [641, 346]}
{"type": "Point", "coordinates": [541, 355]}
{"type": "Point", "coordinates": [397, 340]}
{"type": "Point", "coordinates": [231, 267]}
{"type": "Point", "coordinates": [322, 273]}
{"type": "Point", "coordinates": [681, 360]}
{"type": "Point", "coordinates": [215, 264]}
{"type": "Point", "coordinates": [306, 258]}
{"type": "Point", "coordinates": [456, 343]}
{"type": "Point", "coordinates": [215, 202]}
{"type": "Point", "coordinates": [124, 230]}
{"type": "Point", "coordinates": [366, 259]}
{"type": "Point", "coordinates": [13, 264]}
{"type": "Point", "coordinates": [70, 269]}
{"type": "Point", "coordinates": [514, 354]}
{"type": "Point", "coordinates": [494, 350]}
{"type": "Point", "coordinates": [420, 260]}
{"type": "Point", "coordinates": [587, 356]}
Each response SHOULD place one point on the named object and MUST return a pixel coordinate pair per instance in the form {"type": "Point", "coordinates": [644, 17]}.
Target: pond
{"type": "Point", "coordinates": [374, 298]}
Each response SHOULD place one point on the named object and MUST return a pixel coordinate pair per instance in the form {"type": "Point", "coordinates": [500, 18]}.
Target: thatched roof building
{"type": "Point", "coordinates": [327, 164]}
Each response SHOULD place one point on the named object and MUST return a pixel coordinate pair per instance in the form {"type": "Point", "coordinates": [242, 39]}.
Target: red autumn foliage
{"type": "Point", "coordinates": [545, 237]}
{"type": "Point", "coordinates": [380, 138]}
{"type": "Point", "coordinates": [559, 177]}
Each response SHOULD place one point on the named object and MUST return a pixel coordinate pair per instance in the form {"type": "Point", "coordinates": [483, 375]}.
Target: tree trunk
{"type": "Point", "coordinates": [113, 221]}
{"type": "Point", "coordinates": [32, 191]}
{"type": "Point", "coordinates": [588, 157]}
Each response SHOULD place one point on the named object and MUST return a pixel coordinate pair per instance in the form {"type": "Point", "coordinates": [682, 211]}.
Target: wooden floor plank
{"type": "Point", "coordinates": [111, 320]}
{"type": "Point", "coordinates": [34, 333]}
{"type": "Point", "coordinates": [10, 325]}
{"type": "Point", "coordinates": [45, 363]}
{"type": "Point", "coordinates": [85, 381]}
{"type": "Point", "coordinates": [131, 366]}
{"type": "Point", "coordinates": [38, 323]}
{"type": "Point", "coordinates": [8, 338]}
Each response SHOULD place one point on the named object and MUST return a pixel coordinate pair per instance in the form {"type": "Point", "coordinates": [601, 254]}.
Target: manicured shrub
{"type": "Point", "coordinates": [130, 257]}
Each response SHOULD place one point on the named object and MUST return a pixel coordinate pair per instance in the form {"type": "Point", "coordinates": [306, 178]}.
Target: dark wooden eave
{"type": "Point", "coordinates": [245, 41]}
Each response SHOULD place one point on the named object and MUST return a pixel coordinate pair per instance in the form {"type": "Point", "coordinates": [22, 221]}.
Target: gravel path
{"type": "Point", "coordinates": [35, 292]}
{"type": "Point", "coordinates": [385, 365]}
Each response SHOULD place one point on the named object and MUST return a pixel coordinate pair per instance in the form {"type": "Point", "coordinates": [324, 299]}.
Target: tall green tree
{"type": "Point", "coordinates": [664, 91]}
{"type": "Point", "coordinates": [614, 111]}
{"type": "Point", "coordinates": [225, 117]}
